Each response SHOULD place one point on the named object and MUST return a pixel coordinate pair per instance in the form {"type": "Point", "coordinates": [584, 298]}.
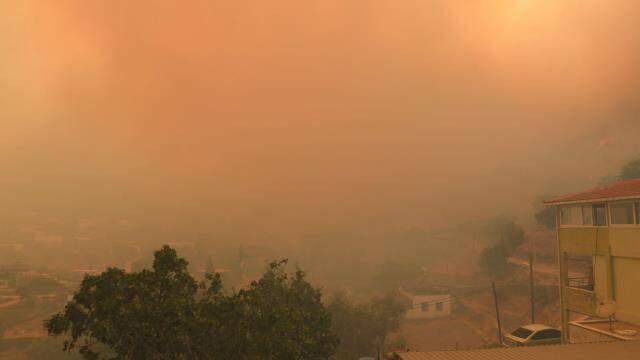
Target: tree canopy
{"type": "Point", "coordinates": [506, 236]}
{"type": "Point", "coordinates": [494, 260]}
{"type": "Point", "coordinates": [630, 170]}
{"type": "Point", "coordinates": [363, 327]}
{"type": "Point", "coordinates": [163, 313]}
{"type": "Point", "coordinates": [506, 232]}
{"type": "Point", "coordinates": [544, 215]}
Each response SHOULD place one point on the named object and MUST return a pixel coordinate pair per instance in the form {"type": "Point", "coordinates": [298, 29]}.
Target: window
{"type": "Point", "coordinates": [424, 307]}
{"type": "Point", "coordinates": [546, 334]}
{"type": "Point", "coordinates": [622, 213]}
{"type": "Point", "coordinates": [600, 214]}
{"type": "Point", "coordinates": [571, 215]}
{"type": "Point", "coordinates": [587, 215]}
{"type": "Point", "coordinates": [439, 306]}
{"type": "Point", "coordinates": [579, 215]}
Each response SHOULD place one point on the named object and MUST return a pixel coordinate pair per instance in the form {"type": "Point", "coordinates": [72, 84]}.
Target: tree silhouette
{"type": "Point", "coordinates": [630, 170]}
{"type": "Point", "coordinates": [163, 313]}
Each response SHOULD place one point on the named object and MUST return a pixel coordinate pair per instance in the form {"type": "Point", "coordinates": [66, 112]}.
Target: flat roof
{"type": "Point", "coordinates": [619, 350]}
{"type": "Point", "coordinates": [430, 298]}
{"type": "Point", "coordinates": [624, 190]}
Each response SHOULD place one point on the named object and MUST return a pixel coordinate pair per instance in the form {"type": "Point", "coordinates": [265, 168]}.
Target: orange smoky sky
{"type": "Point", "coordinates": [288, 113]}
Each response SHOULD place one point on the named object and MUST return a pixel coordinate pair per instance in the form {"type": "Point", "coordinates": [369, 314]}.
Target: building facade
{"type": "Point", "coordinates": [427, 306]}
{"type": "Point", "coordinates": [602, 225]}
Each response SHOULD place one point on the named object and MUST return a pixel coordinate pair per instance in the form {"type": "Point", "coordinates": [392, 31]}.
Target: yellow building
{"type": "Point", "coordinates": [603, 225]}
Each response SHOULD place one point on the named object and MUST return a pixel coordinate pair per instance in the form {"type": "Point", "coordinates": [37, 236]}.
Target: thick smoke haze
{"type": "Point", "coordinates": [278, 116]}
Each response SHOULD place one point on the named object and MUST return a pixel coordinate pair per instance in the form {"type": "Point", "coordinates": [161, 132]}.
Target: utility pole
{"type": "Point", "coordinates": [495, 300]}
{"type": "Point", "coordinates": [532, 290]}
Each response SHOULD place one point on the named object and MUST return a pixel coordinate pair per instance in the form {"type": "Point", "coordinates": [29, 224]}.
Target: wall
{"type": "Point", "coordinates": [625, 241]}
{"type": "Point", "coordinates": [627, 288]}
{"type": "Point", "coordinates": [625, 251]}
{"type": "Point", "coordinates": [416, 310]}
{"type": "Point", "coordinates": [600, 274]}
{"type": "Point", "coordinates": [625, 248]}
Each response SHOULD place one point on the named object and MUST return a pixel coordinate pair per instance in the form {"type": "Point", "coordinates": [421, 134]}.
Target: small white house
{"type": "Point", "coordinates": [428, 306]}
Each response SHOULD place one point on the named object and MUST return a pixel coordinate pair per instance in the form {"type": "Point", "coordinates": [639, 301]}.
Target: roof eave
{"type": "Point", "coordinates": [591, 201]}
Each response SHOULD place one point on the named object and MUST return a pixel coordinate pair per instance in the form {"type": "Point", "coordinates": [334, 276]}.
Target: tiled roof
{"type": "Point", "coordinates": [629, 189]}
{"type": "Point", "coordinates": [620, 350]}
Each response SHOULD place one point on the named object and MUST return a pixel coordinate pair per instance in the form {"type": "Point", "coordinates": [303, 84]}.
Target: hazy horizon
{"type": "Point", "coordinates": [276, 117]}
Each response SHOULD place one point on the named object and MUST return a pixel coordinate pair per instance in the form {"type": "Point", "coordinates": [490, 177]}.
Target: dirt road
{"type": "Point", "coordinates": [542, 268]}
{"type": "Point", "coordinates": [12, 300]}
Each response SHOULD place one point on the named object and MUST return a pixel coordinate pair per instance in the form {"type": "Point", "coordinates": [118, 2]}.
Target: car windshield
{"type": "Point", "coordinates": [522, 333]}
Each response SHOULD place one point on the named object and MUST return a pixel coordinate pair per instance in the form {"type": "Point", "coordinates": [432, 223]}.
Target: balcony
{"type": "Point", "coordinates": [580, 300]}
{"type": "Point", "coordinates": [581, 282]}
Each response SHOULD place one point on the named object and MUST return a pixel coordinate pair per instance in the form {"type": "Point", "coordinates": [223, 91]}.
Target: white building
{"type": "Point", "coordinates": [428, 306]}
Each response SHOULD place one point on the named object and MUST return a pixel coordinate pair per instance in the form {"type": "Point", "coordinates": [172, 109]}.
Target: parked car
{"type": "Point", "coordinates": [533, 334]}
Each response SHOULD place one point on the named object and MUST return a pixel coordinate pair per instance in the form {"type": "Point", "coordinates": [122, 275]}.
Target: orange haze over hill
{"type": "Point", "coordinates": [289, 113]}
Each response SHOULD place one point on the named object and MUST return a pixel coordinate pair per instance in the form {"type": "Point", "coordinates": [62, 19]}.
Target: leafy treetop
{"type": "Point", "coordinates": [630, 170]}
{"type": "Point", "coordinates": [163, 313]}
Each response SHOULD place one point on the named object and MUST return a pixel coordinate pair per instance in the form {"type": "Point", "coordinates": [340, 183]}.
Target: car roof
{"type": "Point", "coordinates": [537, 327]}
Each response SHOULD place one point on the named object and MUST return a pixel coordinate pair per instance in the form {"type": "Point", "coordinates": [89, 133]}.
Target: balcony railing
{"type": "Point", "coordinates": [580, 300]}
{"type": "Point", "coordinates": [584, 283]}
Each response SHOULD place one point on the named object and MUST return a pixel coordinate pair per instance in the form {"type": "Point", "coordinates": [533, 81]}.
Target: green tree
{"type": "Point", "coordinates": [162, 313]}
{"type": "Point", "coordinates": [506, 232]}
{"type": "Point", "coordinates": [546, 217]}
{"type": "Point", "coordinates": [285, 318]}
{"type": "Point", "coordinates": [386, 312]}
{"type": "Point", "coordinates": [363, 328]}
{"type": "Point", "coordinates": [494, 260]}
{"type": "Point", "coordinates": [139, 315]}
{"type": "Point", "coordinates": [630, 170]}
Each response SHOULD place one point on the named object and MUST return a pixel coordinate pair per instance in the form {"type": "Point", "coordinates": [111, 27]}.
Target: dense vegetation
{"type": "Point", "coordinates": [506, 236]}
{"type": "Point", "coordinates": [546, 217]}
{"type": "Point", "coordinates": [630, 170]}
{"type": "Point", "coordinates": [163, 313]}
{"type": "Point", "coordinates": [363, 328]}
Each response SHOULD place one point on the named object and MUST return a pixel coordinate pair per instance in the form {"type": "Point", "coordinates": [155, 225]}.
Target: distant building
{"type": "Point", "coordinates": [427, 306]}
{"type": "Point", "coordinates": [602, 225]}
